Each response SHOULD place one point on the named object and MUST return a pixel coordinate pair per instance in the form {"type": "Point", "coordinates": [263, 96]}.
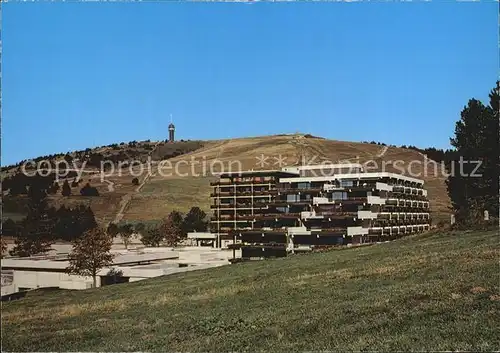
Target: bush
{"type": "Point", "coordinates": [88, 190]}
{"type": "Point", "coordinates": [135, 181]}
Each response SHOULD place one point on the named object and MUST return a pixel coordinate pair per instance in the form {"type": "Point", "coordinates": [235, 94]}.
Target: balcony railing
{"type": "Point", "coordinates": [244, 193]}
{"type": "Point", "coordinates": [291, 190]}
{"type": "Point", "coordinates": [241, 205]}
{"type": "Point", "coordinates": [242, 182]}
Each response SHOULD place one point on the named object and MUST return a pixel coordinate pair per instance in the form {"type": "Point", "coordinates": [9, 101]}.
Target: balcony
{"type": "Point", "coordinates": [384, 187]}
{"type": "Point", "coordinates": [310, 215]}
{"type": "Point", "coordinates": [276, 216]}
{"type": "Point", "coordinates": [322, 201]}
{"type": "Point", "coordinates": [238, 193]}
{"type": "Point", "coordinates": [289, 190]}
{"type": "Point", "coordinates": [242, 182]}
{"type": "Point", "coordinates": [285, 203]}
{"type": "Point", "coordinates": [351, 200]}
{"type": "Point", "coordinates": [375, 200]}
{"type": "Point", "coordinates": [367, 215]}
{"type": "Point", "coordinates": [332, 187]}
{"type": "Point", "coordinates": [337, 214]}
{"type": "Point", "coordinates": [257, 206]}
{"type": "Point", "coordinates": [221, 183]}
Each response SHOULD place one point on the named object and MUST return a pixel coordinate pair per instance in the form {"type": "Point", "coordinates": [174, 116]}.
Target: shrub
{"type": "Point", "coordinates": [88, 190]}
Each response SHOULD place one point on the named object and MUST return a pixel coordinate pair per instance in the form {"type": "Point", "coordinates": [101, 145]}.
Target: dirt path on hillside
{"type": "Point", "coordinates": [382, 151]}
{"type": "Point", "coordinates": [299, 142]}
{"type": "Point", "coordinates": [125, 201]}
{"type": "Point", "coordinates": [306, 149]}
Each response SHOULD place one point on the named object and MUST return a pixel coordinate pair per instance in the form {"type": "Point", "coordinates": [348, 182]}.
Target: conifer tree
{"type": "Point", "coordinates": [476, 142]}
{"type": "Point", "coordinates": [35, 234]}
{"type": "Point", "coordinates": [194, 221]}
{"type": "Point", "coordinates": [66, 189]}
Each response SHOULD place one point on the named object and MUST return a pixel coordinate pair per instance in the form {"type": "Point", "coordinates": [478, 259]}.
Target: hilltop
{"type": "Point", "coordinates": [429, 292]}
{"type": "Point", "coordinates": [155, 194]}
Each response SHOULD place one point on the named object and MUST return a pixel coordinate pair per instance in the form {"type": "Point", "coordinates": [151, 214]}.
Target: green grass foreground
{"type": "Point", "coordinates": [426, 292]}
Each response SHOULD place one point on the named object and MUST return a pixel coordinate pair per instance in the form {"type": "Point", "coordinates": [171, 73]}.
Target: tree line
{"type": "Point", "coordinates": [169, 231]}
{"type": "Point", "coordinates": [21, 184]}
{"type": "Point", "coordinates": [44, 225]}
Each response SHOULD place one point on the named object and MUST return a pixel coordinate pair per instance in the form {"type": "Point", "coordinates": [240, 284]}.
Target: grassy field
{"type": "Point", "coordinates": [426, 292]}
{"type": "Point", "coordinates": [161, 196]}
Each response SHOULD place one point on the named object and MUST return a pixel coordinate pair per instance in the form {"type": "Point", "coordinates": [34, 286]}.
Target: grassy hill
{"type": "Point", "coordinates": [245, 151]}
{"type": "Point", "coordinates": [161, 194]}
{"type": "Point", "coordinates": [425, 292]}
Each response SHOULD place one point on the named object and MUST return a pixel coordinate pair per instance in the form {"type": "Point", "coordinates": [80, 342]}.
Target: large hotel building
{"type": "Point", "coordinates": [276, 212]}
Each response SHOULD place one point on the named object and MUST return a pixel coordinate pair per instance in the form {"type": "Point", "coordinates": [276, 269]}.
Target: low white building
{"type": "Point", "coordinates": [22, 274]}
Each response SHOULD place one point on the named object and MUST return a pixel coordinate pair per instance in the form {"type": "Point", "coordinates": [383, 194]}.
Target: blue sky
{"type": "Point", "coordinates": [77, 75]}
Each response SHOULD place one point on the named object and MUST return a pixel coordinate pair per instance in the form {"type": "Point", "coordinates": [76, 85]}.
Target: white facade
{"type": "Point", "coordinates": [21, 274]}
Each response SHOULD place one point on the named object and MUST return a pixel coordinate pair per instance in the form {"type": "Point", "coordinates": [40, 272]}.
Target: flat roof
{"type": "Point", "coordinates": [324, 166]}
{"type": "Point", "coordinates": [201, 235]}
{"type": "Point", "coordinates": [62, 263]}
{"type": "Point", "coordinates": [278, 173]}
{"type": "Point", "coordinates": [367, 175]}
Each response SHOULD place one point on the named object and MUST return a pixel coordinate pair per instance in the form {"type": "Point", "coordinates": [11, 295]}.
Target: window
{"type": "Point", "coordinates": [346, 183]}
{"type": "Point", "coordinates": [282, 209]}
{"type": "Point", "coordinates": [339, 195]}
{"type": "Point", "coordinates": [292, 198]}
{"type": "Point", "coordinates": [303, 185]}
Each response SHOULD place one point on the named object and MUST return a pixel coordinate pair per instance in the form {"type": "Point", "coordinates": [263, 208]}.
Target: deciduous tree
{"type": "Point", "coordinates": [139, 227]}
{"type": "Point", "coordinates": [126, 231]}
{"type": "Point", "coordinates": [90, 253]}
{"type": "Point", "coordinates": [152, 236]}
{"type": "Point", "coordinates": [171, 228]}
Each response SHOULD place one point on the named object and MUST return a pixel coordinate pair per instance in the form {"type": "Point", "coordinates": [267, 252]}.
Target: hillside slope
{"type": "Point", "coordinates": [187, 182]}
{"type": "Point", "coordinates": [190, 186]}
{"type": "Point", "coordinates": [425, 292]}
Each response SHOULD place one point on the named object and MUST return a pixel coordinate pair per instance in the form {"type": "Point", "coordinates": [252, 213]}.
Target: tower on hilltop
{"type": "Point", "coordinates": [171, 130]}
